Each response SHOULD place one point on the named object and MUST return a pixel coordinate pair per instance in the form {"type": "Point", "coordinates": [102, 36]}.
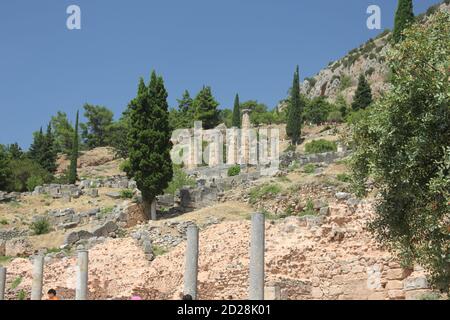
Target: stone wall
{"type": "Point", "coordinates": [289, 157]}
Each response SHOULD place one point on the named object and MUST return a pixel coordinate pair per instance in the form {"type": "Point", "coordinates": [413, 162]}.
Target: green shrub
{"type": "Point", "coordinates": [346, 82]}
{"type": "Point", "coordinates": [105, 211]}
{"type": "Point", "coordinates": [335, 66]}
{"type": "Point", "coordinates": [126, 194]}
{"type": "Point", "coordinates": [312, 81]}
{"type": "Point", "coordinates": [335, 116]}
{"type": "Point", "coordinates": [309, 168]}
{"type": "Point", "coordinates": [16, 282]}
{"type": "Point", "coordinates": [370, 71]}
{"type": "Point", "coordinates": [430, 296]}
{"type": "Point", "coordinates": [33, 182]}
{"type": "Point", "coordinates": [290, 148]}
{"type": "Point", "coordinates": [159, 251]}
{"type": "Point", "coordinates": [264, 190]}
{"type": "Point", "coordinates": [294, 165]}
{"type": "Point", "coordinates": [4, 222]}
{"type": "Point", "coordinates": [283, 179]}
{"type": "Point", "coordinates": [343, 177]}
{"type": "Point", "coordinates": [309, 209]}
{"type": "Point", "coordinates": [21, 295]}
{"type": "Point", "coordinates": [320, 146]}
{"type": "Point", "coordinates": [40, 226]}
{"type": "Point", "coordinates": [125, 166]}
{"type": "Point", "coordinates": [180, 179]}
{"type": "Point", "coordinates": [234, 171]}
{"type": "Point", "coordinates": [4, 260]}
{"type": "Point", "coordinates": [25, 173]}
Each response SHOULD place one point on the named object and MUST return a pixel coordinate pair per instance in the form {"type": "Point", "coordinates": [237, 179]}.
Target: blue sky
{"type": "Point", "coordinates": [245, 46]}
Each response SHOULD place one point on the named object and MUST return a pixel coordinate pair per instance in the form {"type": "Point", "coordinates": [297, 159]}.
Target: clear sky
{"type": "Point", "coordinates": [245, 46]}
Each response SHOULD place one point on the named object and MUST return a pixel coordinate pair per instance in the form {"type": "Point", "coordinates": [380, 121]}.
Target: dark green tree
{"type": "Point", "coordinates": [42, 150]}
{"type": "Point", "coordinates": [95, 132]}
{"type": "Point", "coordinates": [36, 150]}
{"type": "Point", "coordinates": [183, 117]}
{"type": "Point", "coordinates": [117, 137]}
{"type": "Point", "coordinates": [15, 151]}
{"type": "Point", "coordinates": [363, 95]}
{"type": "Point", "coordinates": [185, 103]}
{"type": "Point", "coordinates": [149, 142]}
{"type": "Point", "coordinates": [5, 171]}
{"type": "Point", "coordinates": [206, 108]}
{"type": "Point", "coordinates": [63, 132]}
{"type": "Point", "coordinates": [72, 177]}
{"type": "Point", "coordinates": [401, 144]}
{"type": "Point", "coordinates": [295, 111]}
{"type": "Point", "coordinates": [403, 17]}
{"type": "Point", "coordinates": [237, 112]}
{"type": "Point", "coordinates": [49, 156]}
{"type": "Point", "coordinates": [317, 110]}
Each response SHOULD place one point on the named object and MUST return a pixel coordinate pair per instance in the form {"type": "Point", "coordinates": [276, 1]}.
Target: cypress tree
{"type": "Point", "coordinates": [295, 111]}
{"type": "Point", "coordinates": [149, 141]}
{"type": "Point", "coordinates": [74, 156]}
{"type": "Point", "coordinates": [237, 112]}
{"type": "Point", "coordinates": [205, 107]}
{"type": "Point", "coordinates": [403, 17]}
{"type": "Point", "coordinates": [363, 94]}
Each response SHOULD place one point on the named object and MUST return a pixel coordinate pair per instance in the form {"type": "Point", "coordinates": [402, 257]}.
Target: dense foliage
{"type": "Point", "coordinates": [403, 17]}
{"type": "Point", "coordinates": [402, 144]}
{"type": "Point", "coordinates": [149, 141]}
{"type": "Point", "coordinates": [363, 94]}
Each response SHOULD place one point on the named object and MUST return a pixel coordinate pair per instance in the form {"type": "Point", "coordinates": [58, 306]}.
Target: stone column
{"type": "Point", "coordinates": [232, 146]}
{"type": "Point", "coordinates": [245, 137]}
{"type": "Point", "coordinates": [82, 275]}
{"type": "Point", "coordinates": [38, 275]}
{"type": "Point", "coordinates": [191, 267]}
{"type": "Point", "coordinates": [256, 291]}
{"type": "Point", "coordinates": [2, 283]}
{"type": "Point", "coordinates": [197, 149]}
{"type": "Point", "coordinates": [153, 210]}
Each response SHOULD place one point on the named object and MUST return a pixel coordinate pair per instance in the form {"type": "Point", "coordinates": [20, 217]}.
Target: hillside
{"type": "Point", "coordinates": [341, 77]}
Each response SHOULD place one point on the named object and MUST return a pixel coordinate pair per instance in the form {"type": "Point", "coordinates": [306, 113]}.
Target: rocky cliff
{"type": "Point", "coordinates": [341, 77]}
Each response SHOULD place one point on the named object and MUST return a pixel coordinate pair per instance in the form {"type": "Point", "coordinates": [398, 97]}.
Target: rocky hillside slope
{"type": "Point", "coordinates": [341, 77]}
{"type": "Point", "coordinates": [336, 259]}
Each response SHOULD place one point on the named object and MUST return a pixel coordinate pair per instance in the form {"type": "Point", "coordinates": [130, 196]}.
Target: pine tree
{"type": "Point", "coordinates": [205, 107]}
{"type": "Point", "coordinates": [149, 142]}
{"type": "Point", "coordinates": [237, 113]}
{"type": "Point", "coordinates": [15, 151]}
{"type": "Point", "coordinates": [5, 171]}
{"type": "Point", "coordinates": [403, 17]}
{"type": "Point", "coordinates": [185, 103]}
{"type": "Point", "coordinates": [295, 111]}
{"type": "Point", "coordinates": [363, 94]}
{"type": "Point", "coordinates": [183, 117]}
{"type": "Point", "coordinates": [74, 156]}
{"type": "Point", "coordinates": [48, 162]}
{"type": "Point", "coordinates": [36, 151]}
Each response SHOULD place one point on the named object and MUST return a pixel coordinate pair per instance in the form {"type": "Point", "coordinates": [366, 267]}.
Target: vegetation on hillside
{"type": "Point", "coordinates": [402, 143]}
